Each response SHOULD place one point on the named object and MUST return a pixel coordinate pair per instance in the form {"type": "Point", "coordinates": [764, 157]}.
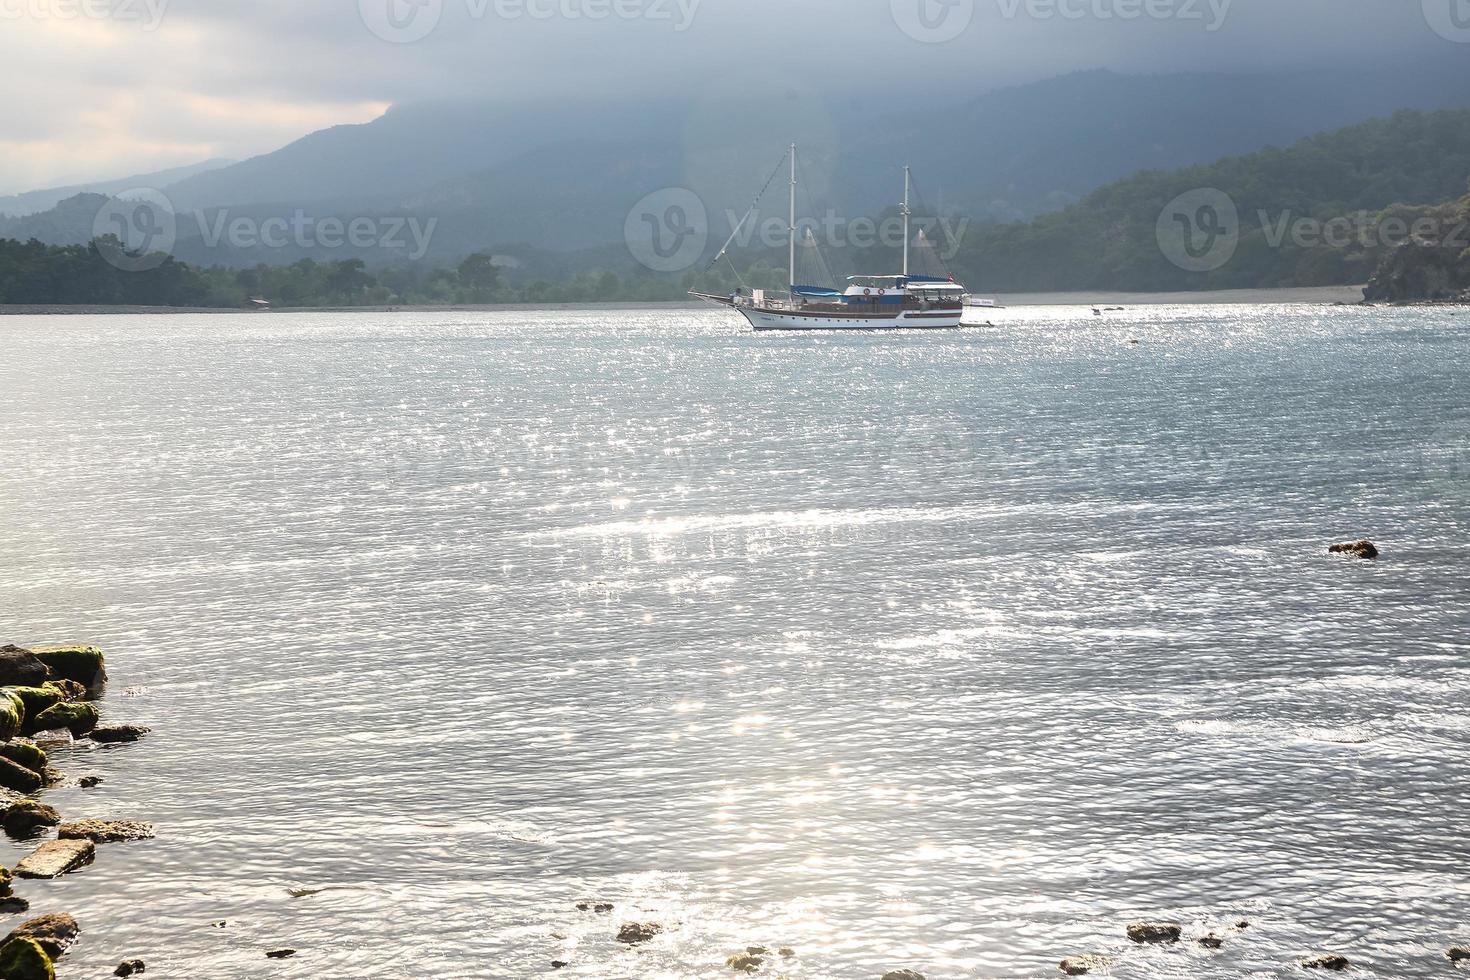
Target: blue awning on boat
{"type": "Point", "coordinates": [814, 291]}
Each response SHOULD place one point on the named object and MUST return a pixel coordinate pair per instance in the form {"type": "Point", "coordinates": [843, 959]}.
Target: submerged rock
{"type": "Point", "coordinates": [118, 733]}
{"type": "Point", "coordinates": [129, 967]}
{"type": "Point", "coordinates": [83, 664]}
{"type": "Point", "coordinates": [634, 933]}
{"type": "Point", "coordinates": [24, 959]}
{"type": "Point", "coordinates": [1357, 549]}
{"type": "Point", "coordinates": [13, 905]}
{"type": "Point", "coordinates": [55, 932]}
{"type": "Point", "coordinates": [902, 975]}
{"type": "Point", "coordinates": [1211, 941]}
{"type": "Point", "coordinates": [745, 962]}
{"type": "Point", "coordinates": [55, 858]}
{"type": "Point", "coordinates": [24, 818]}
{"type": "Point", "coordinates": [17, 777]}
{"type": "Point", "coordinates": [1154, 932]}
{"type": "Point", "coordinates": [280, 954]}
{"type": "Point", "coordinates": [77, 717]}
{"type": "Point", "coordinates": [1077, 966]}
{"type": "Point", "coordinates": [19, 666]}
{"type": "Point", "coordinates": [786, 951]}
{"type": "Point", "coordinates": [89, 782]}
{"type": "Point", "coordinates": [594, 906]}
{"type": "Point", "coordinates": [1455, 954]}
{"type": "Point", "coordinates": [105, 831]}
{"type": "Point", "coordinates": [558, 964]}
{"type": "Point", "coordinates": [1329, 961]}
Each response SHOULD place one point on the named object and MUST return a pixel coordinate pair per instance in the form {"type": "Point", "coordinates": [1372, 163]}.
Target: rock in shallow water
{"type": "Point", "coordinates": [280, 954]}
{"type": "Point", "coordinates": [1211, 941]}
{"type": "Point", "coordinates": [1327, 962]}
{"type": "Point", "coordinates": [1077, 966]}
{"type": "Point", "coordinates": [24, 959]}
{"type": "Point", "coordinates": [25, 753]}
{"type": "Point", "coordinates": [902, 975]}
{"type": "Point", "coordinates": [24, 818]}
{"type": "Point", "coordinates": [77, 717]}
{"type": "Point", "coordinates": [54, 932]}
{"type": "Point", "coordinates": [109, 734]}
{"type": "Point", "coordinates": [106, 831]}
{"type": "Point", "coordinates": [1357, 549]}
{"type": "Point", "coordinates": [1456, 954]}
{"type": "Point", "coordinates": [634, 933]}
{"type": "Point", "coordinates": [55, 858]}
{"type": "Point", "coordinates": [1154, 932]}
{"type": "Point", "coordinates": [129, 967]}
{"type": "Point", "coordinates": [745, 962]}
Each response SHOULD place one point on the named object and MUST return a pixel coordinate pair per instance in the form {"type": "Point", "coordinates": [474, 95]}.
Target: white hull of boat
{"type": "Point", "coordinates": [902, 320]}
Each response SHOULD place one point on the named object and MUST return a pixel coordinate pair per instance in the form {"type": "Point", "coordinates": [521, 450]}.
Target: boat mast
{"type": "Point", "coordinates": [906, 213]}
{"type": "Point", "coordinates": [791, 228]}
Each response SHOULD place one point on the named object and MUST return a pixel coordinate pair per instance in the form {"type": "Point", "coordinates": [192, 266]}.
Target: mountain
{"type": "Point", "coordinates": [1267, 211]}
{"type": "Point", "coordinates": [34, 202]}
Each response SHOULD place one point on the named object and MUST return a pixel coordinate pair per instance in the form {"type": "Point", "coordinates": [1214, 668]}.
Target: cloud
{"type": "Point", "coordinates": [103, 87]}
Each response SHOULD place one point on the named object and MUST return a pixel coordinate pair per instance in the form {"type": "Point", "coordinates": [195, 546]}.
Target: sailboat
{"type": "Point", "coordinates": [901, 302]}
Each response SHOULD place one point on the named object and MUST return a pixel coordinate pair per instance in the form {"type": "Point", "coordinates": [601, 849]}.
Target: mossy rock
{"type": "Point", "coordinates": [28, 754]}
{"type": "Point", "coordinates": [25, 818]}
{"type": "Point", "coordinates": [77, 717]}
{"type": "Point", "coordinates": [7, 880]}
{"type": "Point", "coordinates": [24, 959]}
{"type": "Point", "coordinates": [66, 690]}
{"type": "Point", "coordinates": [12, 714]}
{"type": "Point", "coordinates": [82, 664]}
{"type": "Point", "coordinates": [37, 699]}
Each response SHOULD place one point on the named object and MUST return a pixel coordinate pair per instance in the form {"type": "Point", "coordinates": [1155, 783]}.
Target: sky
{"type": "Point", "coordinates": [109, 88]}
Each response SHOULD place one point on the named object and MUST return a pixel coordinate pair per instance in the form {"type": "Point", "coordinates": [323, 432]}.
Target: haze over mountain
{"type": "Point", "coordinates": [562, 178]}
{"type": "Point", "coordinates": [32, 202]}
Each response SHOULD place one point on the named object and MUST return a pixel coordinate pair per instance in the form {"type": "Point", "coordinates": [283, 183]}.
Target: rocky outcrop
{"type": "Point", "coordinates": [24, 959]}
{"type": "Point", "coordinates": [1357, 549]}
{"type": "Point", "coordinates": [1078, 966]}
{"type": "Point", "coordinates": [1154, 932]}
{"type": "Point", "coordinates": [55, 932]}
{"type": "Point", "coordinates": [36, 699]}
{"type": "Point", "coordinates": [19, 666]}
{"type": "Point", "coordinates": [105, 831]}
{"type": "Point", "coordinates": [77, 717]}
{"type": "Point", "coordinates": [25, 753]}
{"type": "Point", "coordinates": [14, 776]}
{"type": "Point", "coordinates": [12, 714]}
{"type": "Point", "coordinates": [84, 664]}
{"type": "Point", "coordinates": [26, 818]}
{"type": "Point", "coordinates": [1418, 272]}
{"type": "Point", "coordinates": [55, 858]}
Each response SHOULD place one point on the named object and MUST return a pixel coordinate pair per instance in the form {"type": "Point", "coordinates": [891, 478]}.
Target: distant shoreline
{"type": "Point", "coordinates": [1324, 295]}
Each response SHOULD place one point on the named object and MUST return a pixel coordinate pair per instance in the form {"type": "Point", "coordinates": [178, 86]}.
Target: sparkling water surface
{"type": "Point", "coordinates": [953, 652]}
